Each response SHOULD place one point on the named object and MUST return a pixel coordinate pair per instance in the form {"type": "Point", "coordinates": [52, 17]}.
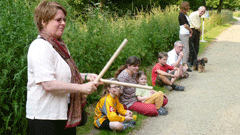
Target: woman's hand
{"type": "Point", "coordinates": [128, 118]}
{"type": "Point", "coordinates": [191, 32]}
{"type": "Point", "coordinates": [89, 88]}
{"type": "Point", "coordinates": [91, 77]}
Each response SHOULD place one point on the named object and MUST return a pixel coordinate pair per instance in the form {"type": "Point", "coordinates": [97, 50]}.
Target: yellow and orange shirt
{"type": "Point", "coordinates": [108, 108]}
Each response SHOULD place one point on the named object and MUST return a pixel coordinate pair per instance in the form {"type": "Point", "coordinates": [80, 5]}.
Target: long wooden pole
{"type": "Point", "coordinates": [111, 60]}
{"type": "Point", "coordinates": [127, 84]}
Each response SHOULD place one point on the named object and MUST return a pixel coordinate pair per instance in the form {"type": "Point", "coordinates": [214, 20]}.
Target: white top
{"type": "Point", "coordinates": [45, 64]}
{"type": "Point", "coordinates": [172, 57]}
{"type": "Point", "coordinates": [183, 30]}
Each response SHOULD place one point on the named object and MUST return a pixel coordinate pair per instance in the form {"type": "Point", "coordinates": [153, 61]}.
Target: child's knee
{"type": "Point", "coordinates": [116, 126]}
{"type": "Point", "coordinates": [160, 93]}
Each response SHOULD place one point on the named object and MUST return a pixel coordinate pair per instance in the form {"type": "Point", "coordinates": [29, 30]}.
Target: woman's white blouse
{"type": "Point", "coordinates": [183, 30]}
{"type": "Point", "coordinates": [45, 64]}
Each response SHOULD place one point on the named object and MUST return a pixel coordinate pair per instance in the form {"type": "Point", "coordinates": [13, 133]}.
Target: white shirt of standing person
{"type": "Point", "coordinates": [45, 64]}
{"type": "Point", "coordinates": [173, 57]}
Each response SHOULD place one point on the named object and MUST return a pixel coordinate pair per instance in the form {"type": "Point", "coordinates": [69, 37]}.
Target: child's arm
{"type": "Point", "coordinates": [140, 98]}
{"type": "Point", "coordinates": [122, 111]}
{"type": "Point", "coordinates": [111, 113]}
{"type": "Point", "coordinates": [129, 113]}
{"type": "Point", "coordinates": [165, 73]}
{"type": "Point", "coordinates": [176, 68]}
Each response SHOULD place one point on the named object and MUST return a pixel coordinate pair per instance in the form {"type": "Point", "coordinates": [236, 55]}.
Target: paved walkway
{"type": "Point", "coordinates": [210, 104]}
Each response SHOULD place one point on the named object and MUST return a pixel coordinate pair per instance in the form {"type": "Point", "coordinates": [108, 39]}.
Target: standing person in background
{"type": "Point", "coordinates": [127, 73]}
{"type": "Point", "coordinates": [185, 31]}
{"type": "Point", "coordinates": [195, 25]}
{"type": "Point", "coordinates": [53, 76]}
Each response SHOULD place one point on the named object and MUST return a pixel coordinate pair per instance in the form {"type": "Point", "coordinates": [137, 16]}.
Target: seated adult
{"type": "Point", "coordinates": [127, 73]}
{"type": "Point", "coordinates": [175, 59]}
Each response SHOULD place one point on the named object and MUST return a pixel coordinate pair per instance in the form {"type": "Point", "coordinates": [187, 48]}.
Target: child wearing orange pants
{"type": "Point", "coordinates": [150, 96]}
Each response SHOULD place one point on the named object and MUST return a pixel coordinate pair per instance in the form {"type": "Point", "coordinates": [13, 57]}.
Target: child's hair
{"type": "Point", "coordinates": [107, 85]}
{"type": "Point", "coordinates": [132, 60]}
{"type": "Point", "coordinates": [139, 74]}
{"type": "Point", "coordinates": [162, 54]}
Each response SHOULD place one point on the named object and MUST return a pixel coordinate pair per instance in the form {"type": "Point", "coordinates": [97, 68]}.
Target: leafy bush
{"type": "Point", "coordinates": [16, 31]}
{"type": "Point", "coordinates": [215, 19]}
{"type": "Point", "coordinates": [236, 13]}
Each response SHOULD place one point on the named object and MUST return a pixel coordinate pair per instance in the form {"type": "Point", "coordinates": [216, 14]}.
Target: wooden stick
{"type": "Point", "coordinates": [111, 60]}
{"type": "Point", "coordinates": [127, 84]}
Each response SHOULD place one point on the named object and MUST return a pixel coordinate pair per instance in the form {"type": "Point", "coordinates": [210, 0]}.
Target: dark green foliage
{"type": "Point", "coordinates": [16, 33]}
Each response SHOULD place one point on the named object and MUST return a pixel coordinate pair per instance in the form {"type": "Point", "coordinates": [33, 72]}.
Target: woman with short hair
{"type": "Point", "coordinates": [53, 76]}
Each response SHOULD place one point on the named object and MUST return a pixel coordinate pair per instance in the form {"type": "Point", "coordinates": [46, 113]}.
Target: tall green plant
{"type": "Point", "coordinates": [16, 33]}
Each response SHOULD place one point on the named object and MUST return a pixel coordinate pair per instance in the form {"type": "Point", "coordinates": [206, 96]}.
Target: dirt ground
{"type": "Point", "coordinates": [210, 104]}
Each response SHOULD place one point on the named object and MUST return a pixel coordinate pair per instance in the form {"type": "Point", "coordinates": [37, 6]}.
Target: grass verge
{"type": "Point", "coordinates": [211, 35]}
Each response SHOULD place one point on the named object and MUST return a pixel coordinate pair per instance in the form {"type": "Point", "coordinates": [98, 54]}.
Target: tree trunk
{"type": "Point", "coordinates": [219, 7]}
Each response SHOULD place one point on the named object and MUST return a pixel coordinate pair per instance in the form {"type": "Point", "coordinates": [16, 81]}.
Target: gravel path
{"type": "Point", "coordinates": [210, 104]}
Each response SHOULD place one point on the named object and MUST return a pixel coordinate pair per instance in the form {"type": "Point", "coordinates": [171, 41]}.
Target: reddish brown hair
{"type": "Point", "coordinates": [45, 12]}
{"type": "Point", "coordinates": [132, 60]}
{"type": "Point", "coordinates": [184, 6]}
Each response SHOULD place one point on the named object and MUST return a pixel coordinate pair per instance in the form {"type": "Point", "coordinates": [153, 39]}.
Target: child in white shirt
{"type": "Point", "coordinates": [150, 96]}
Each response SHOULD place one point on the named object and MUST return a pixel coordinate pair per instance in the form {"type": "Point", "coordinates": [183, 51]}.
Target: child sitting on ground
{"type": "Point", "coordinates": [150, 96]}
{"type": "Point", "coordinates": [161, 76]}
{"type": "Point", "coordinates": [109, 112]}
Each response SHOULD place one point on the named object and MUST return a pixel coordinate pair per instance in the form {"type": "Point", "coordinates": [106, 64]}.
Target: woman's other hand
{"type": "Point", "coordinates": [90, 87]}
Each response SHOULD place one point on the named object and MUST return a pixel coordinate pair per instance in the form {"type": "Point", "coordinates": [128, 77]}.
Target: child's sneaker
{"type": "Point", "coordinates": [162, 111]}
{"type": "Point", "coordinates": [129, 124]}
{"type": "Point", "coordinates": [179, 88]}
{"type": "Point", "coordinates": [132, 123]}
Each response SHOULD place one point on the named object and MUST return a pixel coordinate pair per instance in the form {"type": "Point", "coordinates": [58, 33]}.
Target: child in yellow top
{"type": "Point", "coordinates": [150, 96]}
{"type": "Point", "coordinates": [109, 112]}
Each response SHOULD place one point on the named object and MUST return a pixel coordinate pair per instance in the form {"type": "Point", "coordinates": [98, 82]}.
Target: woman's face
{"type": "Point", "coordinates": [56, 26]}
{"type": "Point", "coordinates": [142, 79]}
{"type": "Point", "coordinates": [133, 68]}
